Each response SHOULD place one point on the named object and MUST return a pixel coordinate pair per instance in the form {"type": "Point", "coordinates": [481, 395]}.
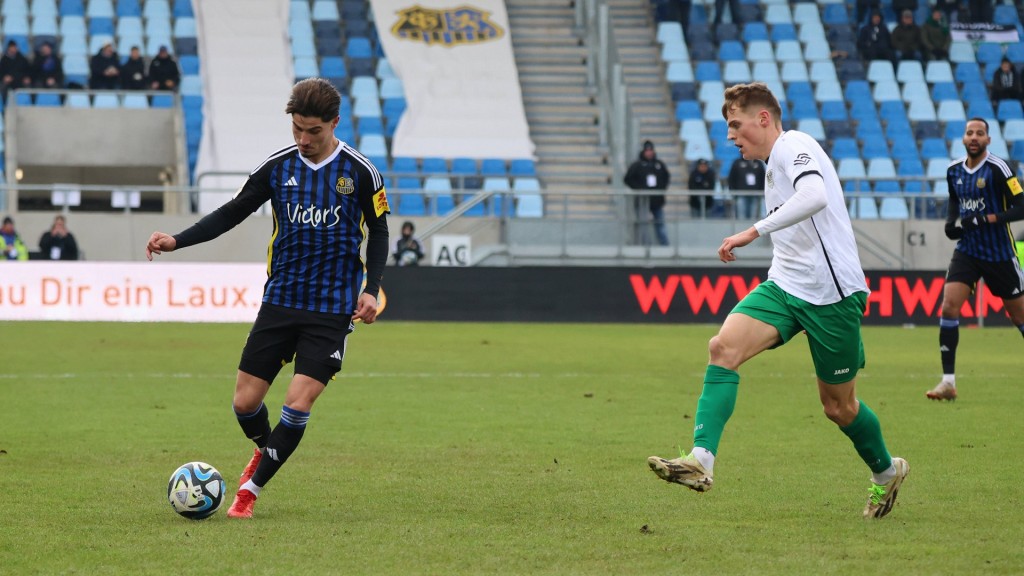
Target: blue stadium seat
{"type": "Point", "coordinates": [718, 130]}
{"type": "Point", "coordinates": [72, 8]}
{"type": "Point", "coordinates": [736, 72]}
{"type": "Point", "coordinates": [989, 53]}
{"type": "Point", "coordinates": [391, 88]}
{"type": "Point", "coordinates": [869, 129]}
{"type": "Point", "coordinates": [78, 100]}
{"type": "Point", "coordinates": [185, 28]}
{"type": "Point", "coordinates": [183, 9]}
{"type": "Point", "coordinates": [727, 32]}
{"type": "Point", "coordinates": [106, 100]}
{"type": "Point", "coordinates": [1013, 130]}
{"type": "Point", "coordinates": [1005, 14]}
{"type": "Point", "coordinates": [1009, 110]}
{"type": "Point", "coordinates": [794, 71]}
{"type": "Point", "coordinates": [754, 31]}
{"type": "Point", "coordinates": [955, 129]}
{"type": "Point", "coordinates": [857, 90]}
{"type": "Point", "coordinates": [910, 168]}
{"type": "Point", "coordinates": [806, 12]}
{"type": "Point", "coordinates": [835, 14]}
{"type": "Point", "coordinates": [99, 9]}
{"type": "Point", "coordinates": [938, 71]}
{"type": "Point", "coordinates": [950, 110]}
{"type": "Point", "coordinates": [893, 208]}
{"type": "Point", "coordinates": [48, 99]}
{"type": "Point", "coordinates": [359, 48]}
{"type": "Point", "coordinates": [1015, 52]}
{"type": "Point", "coordinates": [845, 148]}
{"type": "Point", "coordinates": [783, 31]}
{"type": "Point", "coordinates": [464, 167]}
{"type": "Point", "coordinates": [371, 125]}
{"type": "Point", "coordinates": [135, 101]}
{"type": "Point", "coordinates": [789, 51]}
{"type": "Point", "coordinates": [128, 8]}
{"type": "Point", "coordinates": [851, 169]}
{"type": "Point", "coordinates": [875, 149]}
{"type": "Point", "coordinates": [156, 9]}
{"type": "Point", "coordinates": [410, 203]}
{"type": "Point", "coordinates": [832, 110]}
{"type": "Point", "coordinates": [838, 129]}
{"type": "Point", "coordinates": [823, 71]}
{"type": "Point", "coordinates": [862, 207]}
{"type": "Point", "coordinates": [921, 110]}
{"type": "Point", "coordinates": [909, 71]}
{"type": "Point", "coordinates": [14, 8]}
{"type": "Point", "coordinates": [393, 107]}
{"type": "Point", "coordinates": [778, 14]}
{"type": "Point", "coordinates": [760, 51]}
{"type": "Point", "coordinates": [44, 26]}
{"type": "Point", "coordinates": [163, 101]}
{"type": "Point", "coordinates": [522, 167]}
{"type": "Point", "coordinates": [325, 10]}
{"type": "Point", "coordinates": [305, 67]}
{"type": "Point", "coordinates": [968, 73]}
{"type": "Point", "coordinates": [433, 165]}
{"type": "Point", "coordinates": [679, 72]}
{"type": "Point", "coordinates": [980, 109]}
{"type": "Point", "coordinates": [892, 110]}
{"type": "Point", "coordinates": [707, 71]}
{"type": "Point", "coordinates": [404, 165]}
{"type": "Point", "coordinates": [728, 50]}
{"type": "Point", "coordinates": [528, 204]}
{"type": "Point", "coordinates": [927, 129]}
{"type": "Point", "coordinates": [944, 91]}
{"type": "Point", "coordinates": [493, 167]}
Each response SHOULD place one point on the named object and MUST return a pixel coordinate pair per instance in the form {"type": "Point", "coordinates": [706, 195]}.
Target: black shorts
{"type": "Point", "coordinates": [1004, 279]}
{"type": "Point", "coordinates": [316, 341]}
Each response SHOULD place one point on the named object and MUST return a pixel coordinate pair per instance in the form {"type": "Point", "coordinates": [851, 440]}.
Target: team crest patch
{"type": "Point", "coordinates": [1014, 185]}
{"type": "Point", "coordinates": [446, 27]}
{"type": "Point", "coordinates": [345, 186]}
{"type": "Point", "coordinates": [980, 183]}
{"type": "Point", "coordinates": [380, 203]}
{"type": "Point", "coordinates": [770, 178]}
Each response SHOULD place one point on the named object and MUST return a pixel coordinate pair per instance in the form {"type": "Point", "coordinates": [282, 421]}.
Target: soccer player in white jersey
{"type": "Point", "coordinates": [815, 285]}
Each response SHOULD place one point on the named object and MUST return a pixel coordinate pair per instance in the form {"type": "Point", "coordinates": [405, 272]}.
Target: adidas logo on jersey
{"type": "Point", "coordinates": [291, 182]}
{"type": "Point", "coordinates": [943, 348]}
{"type": "Point", "coordinates": [336, 355]}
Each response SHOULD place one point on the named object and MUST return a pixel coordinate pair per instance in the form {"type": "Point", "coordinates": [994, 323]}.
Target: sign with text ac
{"type": "Point", "coordinates": [896, 297]}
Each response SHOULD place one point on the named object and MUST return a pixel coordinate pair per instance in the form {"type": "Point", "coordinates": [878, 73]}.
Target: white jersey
{"type": "Point", "coordinates": [815, 259]}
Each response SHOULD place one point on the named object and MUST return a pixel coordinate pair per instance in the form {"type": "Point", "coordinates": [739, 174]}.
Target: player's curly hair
{"type": "Point", "coordinates": [753, 95]}
{"type": "Point", "coordinates": [315, 98]}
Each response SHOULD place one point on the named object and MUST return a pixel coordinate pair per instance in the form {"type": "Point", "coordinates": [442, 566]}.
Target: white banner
{"type": "Point", "coordinates": [983, 32]}
{"type": "Point", "coordinates": [461, 83]}
{"type": "Point", "coordinates": [126, 291]}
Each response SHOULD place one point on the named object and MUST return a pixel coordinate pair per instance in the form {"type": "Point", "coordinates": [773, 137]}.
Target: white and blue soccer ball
{"type": "Point", "coordinates": [195, 490]}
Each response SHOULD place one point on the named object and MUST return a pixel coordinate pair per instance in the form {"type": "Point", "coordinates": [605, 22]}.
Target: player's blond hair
{"type": "Point", "coordinates": [754, 95]}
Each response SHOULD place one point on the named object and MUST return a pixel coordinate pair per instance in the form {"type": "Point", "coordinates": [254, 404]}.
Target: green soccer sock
{"type": "Point", "coordinates": [866, 434]}
{"type": "Point", "coordinates": [715, 406]}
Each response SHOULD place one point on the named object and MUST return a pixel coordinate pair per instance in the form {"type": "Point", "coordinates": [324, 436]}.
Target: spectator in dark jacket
{"type": "Point", "coordinates": [648, 173]}
{"type": "Point", "coordinates": [105, 69]}
{"type": "Point", "coordinates": [1006, 82]}
{"type": "Point", "coordinates": [58, 243]}
{"type": "Point", "coordinates": [906, 39]}
{"type": "Point", "coordinates": [936, 37]}
{"type": "Point", "coordinates": [133, 71]}
{"type": "Point", "coordinates": [702, 177]}
{"type": "Point", "coordinates": [874, 42]}
{"type": "Point", "coordinates": [15, 71]}
{"type": "Point", "coordinates": [47, 68]}
{"type": "Point", "coordinates": [163, 71]}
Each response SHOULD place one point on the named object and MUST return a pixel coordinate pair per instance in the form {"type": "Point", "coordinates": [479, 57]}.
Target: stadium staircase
{"type": "Point", "coordinates": [561, 104]}
{"type": "Point", "coordinates": [644, 75]}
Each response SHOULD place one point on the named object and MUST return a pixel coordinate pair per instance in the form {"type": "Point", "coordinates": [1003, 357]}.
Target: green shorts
{"type": "Point", "coordinates": [833, 330]}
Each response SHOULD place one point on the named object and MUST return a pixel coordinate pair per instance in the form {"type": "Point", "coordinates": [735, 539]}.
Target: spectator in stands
{"type": "Point", "coordinates": [133, 71]}
{"type": "Point", "coordinates": [899, 6]}
{"type": "Point", "coordinates": [683, 9]}
{"type": "Point", "coordinates": [864, 9]}
{"type": "Point", "coordinates": [15, 71]}
{"type": "Point", "coordinates": [906, 39]}
{"type": "Point", "coordinates": [11, 246]}
{"type": "Point", "coordinates": [58, 243]}
{"type": "Point", "coordinates": [948, 8]}
{"type": "Point", "coordinates": [747, 176]}
{"type": "Point", "coordinates": [734, 11]}
{"type": "Point", "coordinates": [105, 69]}
{"type": "Point", "coordinates": [1006, 82]}
{"type": "Point", "coordinates": [936, 37]}
{"type": "Point", "coordinates": [408, 248]}
{"type": "Point", "coordinates": [981, 10]}
{"type": "Point", "coordinates": [874, 42]}
{"type": "Point", "coordinates": [47, 68]}
{"type": "Point", "coordinates": [702, 177]}
{"type": "Point", "coordinates": [648, 173]}
{"type": "Point", "coordinates": [163, 71]}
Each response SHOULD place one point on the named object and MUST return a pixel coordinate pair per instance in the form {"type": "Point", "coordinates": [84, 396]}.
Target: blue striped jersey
{"type": "Point", "coordinates": [986, 189]}
{"type": "Point", "coordinates": [320, 212]}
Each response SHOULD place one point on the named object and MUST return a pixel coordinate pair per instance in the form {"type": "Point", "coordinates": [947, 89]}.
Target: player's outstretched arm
{"type": "Point", "coordinates": [160, 243]}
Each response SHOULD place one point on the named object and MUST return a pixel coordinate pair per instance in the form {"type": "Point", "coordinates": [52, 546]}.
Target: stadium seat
{"type": "Point", "coordinates": [944, 91]}
{"type": "Point", "coordinates": [391, 88]}
{"type": "Point", "coordinates": [835, 14]}
{"type": "Point", "coordinates": [163, 101]}
{"type": "Point", "coordinates": [980, 109]}
{"type": "Point", "coordinates": [1009, 110]}
{"type": "Point", "coordinates": [760, 51]}
{"type": "Point", "coordinates": [753, 31]}
{"type": "Point", "coordinates": [679, 72]}
{"type": "Point", "coordinates": [921, 110]}
{"type": "Point", "coordinates": [688, 110]}
{"type": "Point", "coordinates": [736, 72]}
{"type": "Point", "coordinates": [528, 203]}
{"type": "Point", "coordinates": [1005, 15]}
{"type": "Point", "coordinates": [668, 31]}
{"type": "Point", "coordinates": [851, 169]}
{"type": "Point", "coordinates": [805, 12]}
{"type": "Point", "coordinates": [961, 51]}
{"type": "Point", "coordinates": [828, 90]}
{"type": "Point", "coordinates": [813, 127]}
{"type": "Point", "coordinates": [707, 71]}
{"type": "Point", "coordinates": [1013, 130]}
{"type": "Point", "coordinates": [727, 32]}
{"type": "Point", "coordinates": [874, 149]}
{"type": "Point", "coordinates": [989, 53]}
{"type": "Point", "coordinates": [493, 167]}
{"type": "Point", "coordinates": [778, 14]}
{"type": "Point", "coordinates": [434, 166]}
{"type": "Point", "coordinates": [892, 110]}
{"type": "Point", "coordinates": [794, 71]}
{"type": "Point", "coordinates": [881, 167]}
{"type": "Point", "coordinates": [879, 70]}
{"type": "Point", "coordinates": [938, 71]}
{"type": "Point", "coordinates": [366, 107]}
{"type": "Point", "coordinates": [833, 110]}
{"type": "Point", "coordinates": [789, 51]}
{"type": "Point", "coordinates": [522, 167]}
{"type": "Point", "coordinates": [934, 148]}
{"type": "Point", "coordinates": [156, 9]}
{"type": "Point", "coordinates": [845, 148]}
{"type": "Point", "coordinates": [782, 31]}
{"type": "Point", "coordinates": [893, 209]}
{"type": "Point", "coordinates": [78, 100]}
{"type": "Point", "coordinates": [885, 91]}
{"type": "Point", "coordinates": [909, 71]}
{"type": "Point", "coordinates": [951, 110]}
{"type": "Point", "coordinates": [836, 128]}
{"type": "Point", "coordinates": [968, 73]}
{"type": "Point", "coordinates": [863, 207]}
{"type": "Point", "coordinates": [823, 71]}
{"type": "Point", "coordinates": [766, 71]}
{"type": "Point", "coordinates": [325, 10]}
{"type": "Point", "coordinates": [106, 100]}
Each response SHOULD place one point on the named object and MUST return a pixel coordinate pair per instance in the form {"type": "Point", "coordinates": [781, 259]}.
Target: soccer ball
{"type": "Point", "coordinates": [195, 490]}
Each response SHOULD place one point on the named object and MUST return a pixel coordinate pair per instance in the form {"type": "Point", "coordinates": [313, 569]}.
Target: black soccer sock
{"type": "Point", "coordinates": [256, 426]}
{"type": "Point", "coordinates": [1021, 328]}
{"type": "Point", "coordinates": [283, 441]}
{"type": "Point", "coordinates": [949, 337]}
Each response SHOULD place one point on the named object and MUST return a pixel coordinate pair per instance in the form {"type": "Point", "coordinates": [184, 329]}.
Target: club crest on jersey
{"type": "Point", "coordinates": [446, 27]}
{"type": "Point", "coordinates": [980, 183]}
{"type": "Point", "coordinates": [770, 178]}
{"type": "Point", "coordinates": [345, 186]}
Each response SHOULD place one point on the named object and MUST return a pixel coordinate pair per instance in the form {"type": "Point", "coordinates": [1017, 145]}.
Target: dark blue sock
{"type": "Point", "coordinates": [283, 441]}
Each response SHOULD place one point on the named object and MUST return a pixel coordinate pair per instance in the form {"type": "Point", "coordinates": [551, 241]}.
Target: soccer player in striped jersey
{"type": "Point", "coordinates": [985, 196]}
{"type": "Point", "coordinates": [326, 198]}
{"type": "Point", "coordinates": [815, 285]}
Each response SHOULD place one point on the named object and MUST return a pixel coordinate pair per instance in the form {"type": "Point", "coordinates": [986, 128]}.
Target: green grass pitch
{"type": "Point", "coordinates": [502, 449]}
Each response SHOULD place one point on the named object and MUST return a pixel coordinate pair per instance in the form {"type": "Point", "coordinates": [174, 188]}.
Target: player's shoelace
{"type": "Point", "coordinates": [877, 493]}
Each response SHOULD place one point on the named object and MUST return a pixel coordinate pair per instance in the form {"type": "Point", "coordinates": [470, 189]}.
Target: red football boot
{"type": "Point", "coordinates": [250, 468]}
{"type": "Point", "coordinates": [243, 504]}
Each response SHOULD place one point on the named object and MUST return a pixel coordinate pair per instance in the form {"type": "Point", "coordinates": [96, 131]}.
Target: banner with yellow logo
{"type": "Point", "coordinates": [459, 73]}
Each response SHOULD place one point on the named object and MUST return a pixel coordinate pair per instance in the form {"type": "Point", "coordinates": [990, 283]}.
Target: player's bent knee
{"type": "Point", "coordinates": [722, 354]}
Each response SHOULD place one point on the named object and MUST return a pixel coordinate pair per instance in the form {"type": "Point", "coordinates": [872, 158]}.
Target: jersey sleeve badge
{"type": "Point", "coordinates": [380, 203]}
